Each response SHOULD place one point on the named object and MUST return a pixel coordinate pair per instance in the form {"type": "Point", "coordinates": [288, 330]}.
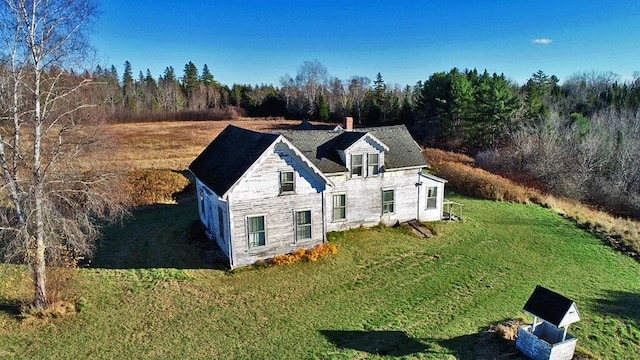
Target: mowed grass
{"type": "Point", "coordinates": [385, 294]}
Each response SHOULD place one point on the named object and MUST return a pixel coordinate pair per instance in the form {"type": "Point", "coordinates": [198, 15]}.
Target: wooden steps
{"type": "Point", "coordinates": [418, 228]}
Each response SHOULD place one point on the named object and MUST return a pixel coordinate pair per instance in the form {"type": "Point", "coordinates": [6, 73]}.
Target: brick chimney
{"type": "Point", "coordinates": [348, 123]}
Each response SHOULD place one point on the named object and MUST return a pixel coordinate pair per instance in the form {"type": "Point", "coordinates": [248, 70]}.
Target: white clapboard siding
{"type": "Point", "coordinates": [258, 194]}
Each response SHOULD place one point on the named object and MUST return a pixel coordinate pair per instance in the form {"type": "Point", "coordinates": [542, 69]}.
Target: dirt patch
{"type": "Point", "coordinates": [499, 341]}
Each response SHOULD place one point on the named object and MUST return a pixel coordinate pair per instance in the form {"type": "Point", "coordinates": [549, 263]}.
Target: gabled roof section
{"type": "Point", "coordinates": [349, 138]}
{"type": "Point", "coordinates": [403, 152]}
{"type": "Point", "coordinates": [322, 146]}
{"type": "Point", "coordinates": [552, 307]}
{"type": "Point", "coordinates": [319, 147]}
{"type": "Point", "coordinates": [229, 156]}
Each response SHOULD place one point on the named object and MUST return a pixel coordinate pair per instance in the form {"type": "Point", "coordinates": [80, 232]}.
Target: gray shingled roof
{"type": "Point", "coordinates": [229, 156]}
{"type": "Point", "coordinates": [403, 149]}
{"type": "Point", "coordinates": [320, 146]}
{"type": "Point", "coordinates": [234, 150]}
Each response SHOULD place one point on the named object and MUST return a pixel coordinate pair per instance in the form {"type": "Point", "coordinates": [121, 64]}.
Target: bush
{"type": "Point", "coordinates": [477, 182]}
{"type": "Point", "coordinates": [154, 186]}
{"type": "Point", "coordinates": [311, 255]}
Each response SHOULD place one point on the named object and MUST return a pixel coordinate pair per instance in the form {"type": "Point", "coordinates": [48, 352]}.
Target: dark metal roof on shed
{"type": "Point", "coordinates": [229, 156]}
{"type": "Point", "coordinates": [551, 307]}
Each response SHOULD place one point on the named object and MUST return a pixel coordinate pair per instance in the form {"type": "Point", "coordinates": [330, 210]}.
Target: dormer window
{"type": "Point", "coordinates": [287, 182]}
{"type": "Point", "coordinates": [356, 165]}
{"type": "Point", "coordinates": [373, 161]}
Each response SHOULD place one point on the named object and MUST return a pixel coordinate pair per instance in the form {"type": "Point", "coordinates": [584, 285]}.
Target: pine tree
{"type": "Point", "coordinates": [190, 81]}
{"type": "Point", "coordinates": [128, 87]}
{"type": "Point", "coordinates": [207, 77]}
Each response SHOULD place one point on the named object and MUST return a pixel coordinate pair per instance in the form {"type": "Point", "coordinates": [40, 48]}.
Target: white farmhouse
{"type": "Point", "coordinates": [264, 194]}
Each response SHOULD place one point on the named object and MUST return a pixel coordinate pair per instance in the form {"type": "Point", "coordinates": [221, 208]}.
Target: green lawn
{"type": "Point", "coordinates": [151, 294]}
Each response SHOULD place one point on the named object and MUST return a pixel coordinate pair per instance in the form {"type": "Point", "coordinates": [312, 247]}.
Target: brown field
{"type": "Point", "coordinates": [170, 145]}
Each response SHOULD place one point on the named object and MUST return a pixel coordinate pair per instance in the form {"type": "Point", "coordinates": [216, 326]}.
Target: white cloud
{"type": "Point", "coordinates": [543, 41]}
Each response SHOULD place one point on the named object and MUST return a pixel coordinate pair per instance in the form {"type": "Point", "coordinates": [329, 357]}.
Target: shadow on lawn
{"type": "Point", "coordinates": [159, 236]}
{"type": "Point", "coordinates": [391, 343]}
{"type": "Point", "coordinates": [624, 305]}
{"type": "Point", "coordinates": [480, 346]}
{"type": "Point", "coordinates": [10, 308]}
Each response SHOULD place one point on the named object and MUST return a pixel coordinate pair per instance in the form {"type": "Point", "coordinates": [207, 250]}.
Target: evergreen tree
{"type": "Point", "coordinates": [406, 110]}
{"type": "Point", "coordinates": [496, 105]}
{"type": "Point", "coordinates": [190, 82]}
{"type": "Point", "coordinates": [207, 77]}
{"type": "Point", "coordinates": [323, 109]}
{"type": "Point", "coordinates": [128, 87]}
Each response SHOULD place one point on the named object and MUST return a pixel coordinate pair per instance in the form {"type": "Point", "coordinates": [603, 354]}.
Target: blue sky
{"type": "Point", "coordinates": [256, 42]}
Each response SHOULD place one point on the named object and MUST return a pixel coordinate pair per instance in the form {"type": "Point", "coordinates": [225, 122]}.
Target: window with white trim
{"type": "Point", "coordinates": [373, 162]}
{"type": "Point", "coordinates": [339, 207]}
{"type": "Point", "coordinates": [256, 230]}
{"type": "Point", "coordinates": [388, 201]}
{"type": "Point", "coordinates": [303, 225]}
{"type": "Point", "coordinates": [287, 182]}
{"type": "Point", "coordinates": [432, 197]}
{"type": "Point", "coordinates": [356, 165]}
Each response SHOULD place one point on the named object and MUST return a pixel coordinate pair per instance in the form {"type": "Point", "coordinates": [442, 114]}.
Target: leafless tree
{"type": "Point", "coordinates": [312, 80]}
{"type": "Point", "coordinates": [358, 87]}
{"type": "Point", "coordinates": [338, 98]}
{"type": "Point", "coordinates": [591, 159]}
{"type": "Point", "coordinates": [52, 199]}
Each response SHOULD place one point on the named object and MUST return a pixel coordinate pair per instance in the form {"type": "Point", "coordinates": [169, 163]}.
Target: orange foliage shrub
{"type": "Point", "coordinates": [312, 254]}
{"type": "Point", "coordinates": [147, 187]}
{"type": "Point", "coordinates": [477, 182]}
{"type": "Point", "coordinates": [435, 156]}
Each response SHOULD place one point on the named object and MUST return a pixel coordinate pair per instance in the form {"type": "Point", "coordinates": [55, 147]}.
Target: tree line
{"type": "Point", "coordinates": [576, 139]}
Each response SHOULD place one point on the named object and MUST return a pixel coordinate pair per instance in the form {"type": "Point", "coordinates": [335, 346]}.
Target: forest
{"type": "Point", "coordinates": [578, 138]}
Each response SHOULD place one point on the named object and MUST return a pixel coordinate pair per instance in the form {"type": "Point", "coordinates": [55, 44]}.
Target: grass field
{"type": "Point", "coordinates": [153, 292]}
{"type": "Point", "coordinates": [169, 145]}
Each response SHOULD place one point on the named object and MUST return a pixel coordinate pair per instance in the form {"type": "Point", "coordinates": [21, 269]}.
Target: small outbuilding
{"type": "Point", "coordinates": [547, 338]}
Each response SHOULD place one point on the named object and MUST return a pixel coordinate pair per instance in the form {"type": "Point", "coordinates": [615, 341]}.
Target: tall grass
{"type": "Point", "coordinates": [154, 186]}
{"type": "Point", "coordinates": [623, 234]}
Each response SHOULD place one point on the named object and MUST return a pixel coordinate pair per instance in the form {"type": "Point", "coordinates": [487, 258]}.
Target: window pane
{"type": "Point", "coordinates": [303, 225]}
{"type": "Point", "coordinates": [374, 164]}
{"type": "Point", "coordinates": [256, 231]}
{"type": "Point", "coordinates": [304, 217]}
{"type": "Point", "coordinates": [387, 201]}
{"type": "Point", "coordinates": [287, 176]}
{"type": "Point", "coordinates": [339, 207]}
{"type": "Point", "coordinates": [286, 181]}
{"type": "Point", "coordinates": [432, 197]}
{"type": "Point", "coordinates": [304, 232]}
{"type": "Point", "coordinates": [256, 224]}
{"type": "Point", "coordinates": [356, 165]}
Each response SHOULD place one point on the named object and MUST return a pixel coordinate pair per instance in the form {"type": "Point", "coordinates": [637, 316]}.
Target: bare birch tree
{"type": "Point", "coordinates": [51, 199]}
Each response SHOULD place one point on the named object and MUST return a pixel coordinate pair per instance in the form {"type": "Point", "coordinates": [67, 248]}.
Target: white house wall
{"type": "Point", "coordinates": [364, 199]}
{"type": "Point", "coordinates": [258, 194]}
{"type": "Point", "coordinates": [430, 214]}
{"type": "Point", "coordinates": [209, 204]}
